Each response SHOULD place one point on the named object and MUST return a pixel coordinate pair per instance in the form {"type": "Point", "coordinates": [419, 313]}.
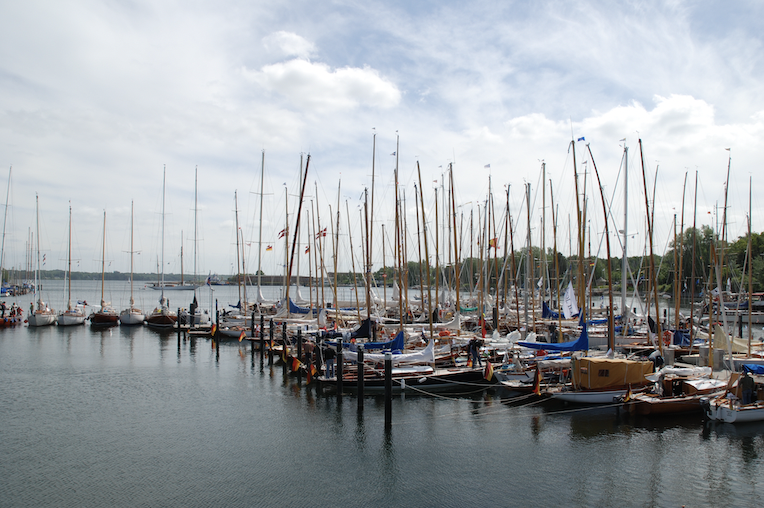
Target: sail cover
{"type": "Point", "coordinates": [580, 344]}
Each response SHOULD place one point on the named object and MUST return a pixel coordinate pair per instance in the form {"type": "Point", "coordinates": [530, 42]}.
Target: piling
{"type": "Point", "coordinates": [740, 324]}
{"type": "Point", "coordinates": [339, 368]}
{"type": "Point", "coordinates": [270, 349]}
{"type": "Point", "coordinates": [360, 378]}
{"type": "Point", "coordinates": [388, 390]}
{"type": "Point", "coordinates": [495, 317]}
{"type": "Point", "coordinates": [285, 350]}
{"type": "Point", "coordinates": [177, 322]}
{"type": "Point", "coordinates": [262, 337]}
{"type": "Point", "coordinates": [299, 353]}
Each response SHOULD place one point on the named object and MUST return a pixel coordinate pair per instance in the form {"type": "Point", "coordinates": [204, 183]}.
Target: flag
{"type": "Point", "coordinates": [214, 329]}
{"type": "Point", "coordinates": [270, 247]}
{"type": "Point", "coordinates": [469, 363]}
{"type": "Point", "coordinates": [282, 233]}
{"type": "Point", "coordinates": [208, 282]}
{"type": "Point", "coordinates": [307, 249]}
{"type": "Point", "coordinates": [295, 364]}
{"type": "Point", "coordinates": [569, 305]}
{"type": "Point", "coordinates": [627, 398]}
{"type": "Point", "coordinates": [242, 335]}
{"type": "Point", "coordinates": [493, 242]}
{"type": "Point", "coordinates": [487, 166]}
{"type": "Point", "coordinates": [321, 233]}
{"type": "Point", "coordinates": [581, 139]}
{"type": "Point", "coordinates": [488, 374]}
{"type": "Point", "coordinates": [392, 153]}
{"type": "Point", "coordinates": [537, 382]}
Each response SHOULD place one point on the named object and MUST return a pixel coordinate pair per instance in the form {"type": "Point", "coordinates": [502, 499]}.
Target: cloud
{"type": "Point", "coordinates": [319, 88]}
{"type": "Point", "coordinates": [288, 44]}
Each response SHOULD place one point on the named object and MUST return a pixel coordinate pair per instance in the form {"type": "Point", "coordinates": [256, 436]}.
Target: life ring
{"type": "Point", "coordinates": [667, 336]}
{"type": "Point", "coordinates": [444, 333]}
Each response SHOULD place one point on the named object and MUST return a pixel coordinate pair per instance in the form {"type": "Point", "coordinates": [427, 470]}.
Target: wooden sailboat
{"type": "Point", "coordinates": [106, 315]}
{"type": "Point", "coordinates": [73, 315]}
{"type": "Point", "coordinates": [131, 315]}
{"type": "Point", "coordinates": [162, 316]}
{"type": "Point", "coordinates": [40, 314]}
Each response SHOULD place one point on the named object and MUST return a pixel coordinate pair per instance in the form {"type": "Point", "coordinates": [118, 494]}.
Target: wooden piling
{"type": "Point", "coordinates": [360, 378]}
{"type": "Point", "coordinates": [338, 368]}
{"type": "Point", "coordinates": [388, 390]}
{"type": "Point", "coordinates": [270, 348]}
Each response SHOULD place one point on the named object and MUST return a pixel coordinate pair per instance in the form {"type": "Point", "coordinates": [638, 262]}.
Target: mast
{"type": "Point", "coordinates": [692, 273]}
{"type": "Point", "coordinates": [457, 272]}
{"type": "Point", "coordinates": [681, 254]}
{"type": "Point", "coordinates": [625, 258]}
{"type": "Point", "coordinates": [750, 268]}
{"type": "Point", "coordinates": [426, 252]}
{"type": "Point", "coordinates": [196, 226]}
{"type": "Point", "coordinates": [69, 305]}
{"type": "Point", "coordinates": [5, 219]}
{"type": "Point", "coordinates": [132, 250]}
{"type": "Point", "coordinates": [238, 251]}
{"type": "Point", "coordinates": [297, 227]}
{"type": "Point", "coordinates": [352, 264]}
{"type": "Point", "coordinates": [581, 242]}
{"type": "Point", "coordinates": [610, 324]}
{"type": "Point", "coordinates": [260, 234]}
{"type": "Point", "coordinates": [103, 260]}
{"type": "Point", "coordinates": [161, 272]}
{"type": "Point", "coordinates": [653, 274]}
{"type": "Point", "coordinates": [556, 264]}
{"type": "Point", "coordinates": [38, 298]}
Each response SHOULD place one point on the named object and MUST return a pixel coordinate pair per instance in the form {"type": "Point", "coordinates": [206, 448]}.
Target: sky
{"type": "Point", "coordinates": [99, 98]}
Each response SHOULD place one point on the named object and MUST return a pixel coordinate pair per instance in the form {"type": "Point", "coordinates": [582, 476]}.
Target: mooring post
{"type": "Point", "coordinates": [262, 337]}
{"type": "Point", "coordinates": [495, 317]}
{"type": "Point", "coordinates": [388, 390]}
{"type": "Point", "coordinates": [177, 321]}
{"type": "Point", "coordinates": [338, 368]}
{"type": "Point", "coordinates": [270, 346]}
{"type": "Point", "coordinates": [299, 351]}
{"type": "Point", "coordinates": [360, 378]}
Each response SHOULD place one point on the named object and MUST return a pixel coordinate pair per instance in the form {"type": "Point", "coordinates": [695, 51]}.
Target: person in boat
{"type": "Point", "coordinates": [31, 308]}
{"type": "Point", "coordinates": [747, 384]}
{"type": "Point", "coordinates": [473, 347]}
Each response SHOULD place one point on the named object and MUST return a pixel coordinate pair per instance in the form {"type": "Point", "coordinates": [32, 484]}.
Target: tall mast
{"type": "Point", "coordinates": [581, 239]}
{"type": "Point", "coordinates": [556, 264]}
{"type": "Point", "coordinates": [297, 227]}
{"type": "Point", "coordinates": [238, 250]}
{"type": "Point", "coordinates": [132, 250]}
{"type": "Point", "coordinates": [260, 234]}
{"type": "Point", "coordinates": [103, 260]}
{"type": "Point", "coordinates": [426, 252]}
{"type": "Point", "coordinates": [5, 219]}
{"type": "Point", "coordinates": [69, 306]}
{"type": "Point", "coordinates": [681, 253]}
{"type": "Point", "coordinates": [653, 274]}
{"type": "Point", "coordinates": [457, 274]}
{"type": "Point", "coordinates": [692, 273]}
{"type": "Point", "coordinates": [625, 258]}
{"type": "Point", "coordinates": [161, 285]}
{"type": "Point", "coordinates": [750, 268]}
{"type": "Point", "coordinates": [196, 225]}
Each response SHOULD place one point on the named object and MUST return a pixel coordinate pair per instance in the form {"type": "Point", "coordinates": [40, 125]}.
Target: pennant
{"type": "Point", "coordinates": [295, 364]}
{"type": "Point", "coordinates": [537, 382]}
{"type": "Point", "coordinates": [581, 139]}
{"type": "Point", "coordinates": [282, 233]}
{"type": "Point", "coordinates": [488, 374]}
{"type": "Point", "coordinates": [307, 249]}
{"type": "Point", "coordinates": [321, 233]}
{"type": "Point", "coordinates": [270, 247]}
{"type": "Point", "coordinates": [628, 396]}
{"type": "Point", "coordinates": [241, 335]}
{"type": "Point", "coordinates": [214, 329]}
{"type": "Point", "coordinates": [493, 243]}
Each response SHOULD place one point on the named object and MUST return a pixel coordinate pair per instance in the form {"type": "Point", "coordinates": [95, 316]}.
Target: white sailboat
{"type": "Point", "coordinates": [131, 315]}
{"type": "Point", "coordinates": [73, 315]}
{"type": "Point", "coordinates": [41, 314]}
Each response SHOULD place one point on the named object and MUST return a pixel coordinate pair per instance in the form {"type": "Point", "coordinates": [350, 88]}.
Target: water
{"type": "Point", "coordinates": [125, 417]}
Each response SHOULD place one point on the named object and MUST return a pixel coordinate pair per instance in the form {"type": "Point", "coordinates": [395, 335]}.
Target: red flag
{"type": "Point", "coordinates": [488, 374]}
{"type": "Point", "coordinates": [282, 233]}
{"type": "Point", "coordinates": [214, 329]}
{"type": "Point", "coordinates": [295, 364]}
{"type": "Point", "coordinates": [321, 233]}
{"type": "Point", "coordinates": [242, 335]}
{"type": "Point", "coordinates": [270, 247]}
{"type": "Point", "coordinates": [493, 242]}
{"type": "Point", "coordinates": [307, 249]}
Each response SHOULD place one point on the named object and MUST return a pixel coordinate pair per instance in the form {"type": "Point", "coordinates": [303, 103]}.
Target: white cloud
{"type": "Point", "coordinates": [288, 44]}
{"type": "Point", "coordinates": [316, 86]}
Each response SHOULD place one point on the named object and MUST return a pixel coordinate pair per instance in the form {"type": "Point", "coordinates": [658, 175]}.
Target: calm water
{"type": "Point", "coordinates": [125, 417]}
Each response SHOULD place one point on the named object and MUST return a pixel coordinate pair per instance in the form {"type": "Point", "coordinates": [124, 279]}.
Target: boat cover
{"type": "Point", "coordinates": [754, 369]}
{"type": "Point", "coordinates": [580, 344]}
{"type": "Point", "coordinates": [426, 355]}
{"type": "Point", "coordinates": [395, 344]}
{"type": "Point", "coordinates": [601, 373]}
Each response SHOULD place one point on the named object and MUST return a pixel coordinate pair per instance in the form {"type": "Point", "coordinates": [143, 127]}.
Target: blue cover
{"type": "Point", "coordinates": [580, 344]}
{"type": "Point", "coordinates": [396, 343]}
{"type": "Point", "coordinates": [296, 309]}
{"type": "Point", "coordinates": [753, 368]}
{"type": "Point", "coordinates": [548, 313]}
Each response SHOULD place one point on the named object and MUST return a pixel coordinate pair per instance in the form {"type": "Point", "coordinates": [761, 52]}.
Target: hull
{"type": "Point", "coordinates": [161, 320]}
{"type": "Point", "coordinates": [11, 321]}
{"type": "Point", "coordinates": [721, 410]}
{"type": "Point", "coordinates": [653, 405]}
{"type": "Point", "coordinates": [451, 380]}
{"type": "Point", "coordinates": [589, 397]}
{"type": "Point", "coordinates": [71, 318]}
{"type": "Point", "coordinates": [104, 319]}
{"type": "Point", "coordinates": [41, 319]}
{"type": "Point", "coordinates": [131, 317]}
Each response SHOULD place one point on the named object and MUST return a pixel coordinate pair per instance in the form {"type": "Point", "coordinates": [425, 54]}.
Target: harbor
{"type": "Point", "coordinates": [133, 417]}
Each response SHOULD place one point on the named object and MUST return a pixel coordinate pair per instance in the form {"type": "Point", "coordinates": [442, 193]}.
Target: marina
{"type": "Point", "coordinates": [128, 416]}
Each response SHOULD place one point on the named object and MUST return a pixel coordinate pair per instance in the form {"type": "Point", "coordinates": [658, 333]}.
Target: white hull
{"type": "Point", "coordinates": [722, 412]}
{"type": "Point", "coordinates": [41, 319]}
{"type": "Point", "coordinates": [128, 317]}
{"type": "Point", "coordinates": [593, 397]}
{"type": "Point", "coordinates": [71, 319]}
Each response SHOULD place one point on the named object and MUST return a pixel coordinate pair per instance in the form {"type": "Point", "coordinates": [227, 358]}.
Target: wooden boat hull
{"type": "Point", "coordinates": [589, 397]}
{"type": "Point", "coordinates": [104, 319]}
{"type": "Point", "coordinates": [450, 380]}
{"type": "Point", "coordinates": [645, 404]}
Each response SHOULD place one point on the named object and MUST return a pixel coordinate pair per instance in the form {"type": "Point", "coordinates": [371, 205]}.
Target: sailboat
{"type": "Point", "coordinates": [131, 315]}
{"type": "Point", "coordinates": [106, 315]}
{"type": "Point", "coordinates": [72, 315]}
{"type": "Point", "coordinates": [14, 314]}
{"type": "Point", "coordinates": [41, 315]}
{"type": "Point", "coordinates": [162, 316]}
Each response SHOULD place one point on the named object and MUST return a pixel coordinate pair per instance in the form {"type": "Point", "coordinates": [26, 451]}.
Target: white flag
{"type": "Point", "coordinates": [569, 305]}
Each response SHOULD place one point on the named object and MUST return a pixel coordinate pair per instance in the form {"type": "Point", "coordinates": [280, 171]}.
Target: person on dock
{"type": "Point", "coordinates": [473, 349]}
{"type": "Point", "coordinates": [329, 358]}
{"type": "Point", "coordinates": [746, 384]}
